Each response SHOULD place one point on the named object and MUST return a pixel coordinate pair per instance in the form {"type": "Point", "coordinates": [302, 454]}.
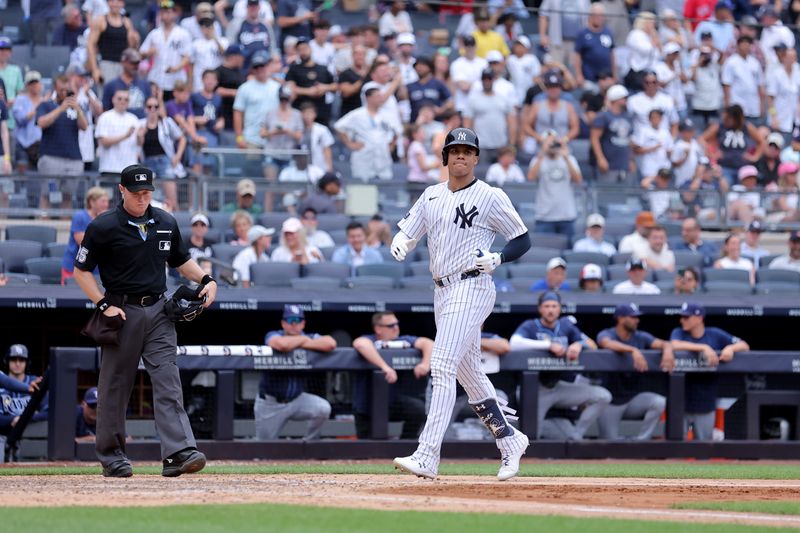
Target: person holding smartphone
{"type": "Point", "coordinates": [60, 120]}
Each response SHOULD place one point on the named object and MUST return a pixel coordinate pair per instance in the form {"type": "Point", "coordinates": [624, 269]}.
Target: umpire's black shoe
{"type": "Point", "coordinates": [118, 469]}
{"type": "Point", "coordinates": [185, 461]}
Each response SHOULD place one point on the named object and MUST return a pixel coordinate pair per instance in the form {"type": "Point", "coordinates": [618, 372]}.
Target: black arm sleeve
{"type": "Point", "coordinates": [516, 248]}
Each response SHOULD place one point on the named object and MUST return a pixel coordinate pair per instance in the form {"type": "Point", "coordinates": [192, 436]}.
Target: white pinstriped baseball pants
{"type": "Point", "coordinates": [459, 309]}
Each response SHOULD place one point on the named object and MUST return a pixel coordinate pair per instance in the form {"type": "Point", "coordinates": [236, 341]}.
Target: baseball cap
{"type": "Point", "coordinates": [90, 397]}
{"type": "Point", "coordinates": [692, 309]}
{"type": "Point", "coordinates": [469, 40]}
{"type": "Point", "coordinates": [787, 167]}
{"type": "Point", "coordinates": [335, 31]}
{"type": "Point", "coordinates": [199, 217]}
{"type": "Point", "coordinates": [780, 47]}
{"type": "Point", "coordinates": [137, 178]}
{"type": "Point", "coordinates": [633, 262]}
{"type": "Point", "coordinates": [794, 236]}
{"type": "Point", "coordinates": [76, 70]}
{"type": "Point", "coordinates": [252, 2]}
{"type": "Point", "coordinates": [524, 41]}
{"type": "Point", "coordinates": [293, 311]}
{"type": "Point", "coordinates": [19, 351]}
{"type": "Point", "coordinates": [291, 225]}
{"type": "Point", "coordinates": [406, 38]}
{"type": "Point", "coordinates": [549, 296]}
{"type": "Point", "coordinates": [204, 7]}
{"type": "Point", "coordinates": [671, 48]}
{"type": "Point", "coordinates": [166, 4]}
{"type": "Point", "coordinates": [646, 219]}
{"type": "Point", "coordinates": [5, 43]}
{"type": "Point", "coordinates": [131, 55]}
{"type": "Point", "coordinates": [487, 74]}
{"type": "Point", "coordinates": [630, 309]}
{"type": "Point", "coordinates": [259, 58]}
{"type": "Point", "coordinates": [706, 35]}
{"type": "Point", "coordinates": [234, 50]}
{"type": "Point", "coordinates": [665, 173]}
{"type": "Point", "coordinates": [755, 226]}
{"type": "Point", "coordinates": [32, 76]}
{"type": "Point", "coordinates": [369, 87]}
{"type": "Point", "coordinates": [686, 125]}
{"type": "Point", "coordinates": [258, 231]}
{"type": "Point", "coordinates": [616, 92]}
{"type": "Point", "coordinates": [246, 186]}
{"type": "Point", "coordinates": [556, 262]}
{"type": "Point", "coordinates": [776, 139]}
{"type": "Point", "coordinates": [767, 11]}
{"type": "Point", "coordinates": [552, 79]}
{"type": "Point", "coordinates": [749, 20]}
{"type": "Point", "coordinates": [595, 219]}
{"type": "Point", "coordinates": [591, 271]}
{"type": "Point", "coordinates": [493, 56]}
{"type": "Point", "coordinates": [303, 40]}
{"type": "Point", "coordinates": [285, 93]}
{"type": "Point", "coordinates": [747, 171]}
{"type": "Point", "coordinates": [724, 4]}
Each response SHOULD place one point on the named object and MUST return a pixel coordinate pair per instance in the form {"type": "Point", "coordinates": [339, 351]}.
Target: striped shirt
{"type": "Point", "coordinates": [457, 223]}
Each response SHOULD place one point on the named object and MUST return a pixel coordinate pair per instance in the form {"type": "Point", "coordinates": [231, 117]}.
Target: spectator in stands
{"type": "Point", "coordinates": [791, 260]}
{"type": "Point", "coordinates": [556, 170]}
{"type": "Point", "coordinates": [239, 13]}
{"type": "Point", "coordinates": [491, 115]}
{"type": "Point", "coordinates": [241, 222]}
{"type": "Point", "coordinates": [197, 241]}
{"type": "Point", "coordinates": [10, 76]}
{"type": "Point", "coordinates": [96, 203]}
{"type": "Point", "coordinates": [71, 27]}
{"type": "Point", "coordinates": [523, 66]}
{"type": "Point", "coordinates": [641, 104]}
{"type": "Point", "coordinates": [295, 18]}
{"type": "Point", "coordinates": [591, 278]}
{"type": "Point", "coordinates": [427, 90]}
{"type": "Point", "coordinates": [782, 88]}
{"type": "Point", "coordinates": [406, 388]}
{"type": "Point", "coordinates": [163, 145]}
{"type": "Point", "coordinates": [661, 196]}
{"type": "Point", "coordinates": [743, 80]}
{"type": "Point", "coordinates": [751, 247]}
{"type": "Point", "coordinates": [254, 99]}
{"type": "Point", "coordinates": [254, 34]}
{"type": "Point", "coordinates": [138, 88]}
{"type": "Point", "coordinates": [594, 49]}
{"type": "Point", "coordinates": [60, 120]}
{"type": "Point", "coordinates": [671, 31]}
{"type": "Point", "coordinates": [636, 242]}
{"type": "Point", "coordinates": [696, 11]}
{"type": "Point", "coordinates": [294, 248]}
{"type": "Point", "coordinates": [594, 241]}
{"type": "Point", "coordinates": [180, 110]}
{"type": "Point", "coordinates": [630, 397]}
{"type": "Point", "coordinates": [635, 284]}
{"type": "Point", "coordinates": [714, 346]}
{"type": "Point", "coordinates": [706, 75]}
{"type": "Point", "coordinates": [352, 79]}
{"type": "Point", "coordinates": [169, 47]}
{"type": "Point", "coordinates": [720, 26]}
{"type": "Point", "coordinates": [559, 26]}
{"type": "Point", "coordinates": [739, 142]}
{"type": "Point", "coordinates": [43, 18]}
{"type": "Point", "coordinates": [404, 58]}
{"type": "Point", "coordinates": [109, 36]}
{"type": "Point", "coordinates": [652, 144]}
{"type": "Point", "coordinates": [310, 82]}
{"type": "Point", "coordinates": [561, 338]}
{"type": "Point", "coordinates": [260, 239]}
{"type": "Point", "coordinates": [644, 48]}
{"type": "Point", "coordinates": [323, 52]}
{"type": "Point", "coordinates": [316, 237]}
{"type": "Point", "coordinates": [658, 255]}
{"type": "Point", "coordinates": [486, 38]}
{"type": "Point", "coordinates": [744, 200]}
{"type": "Point", "coordinates": [316, 137]}
{"type": "Point", "coordinates": [281, 395]}
{"type": "Point", "coordinates": [356, 252]}
{"type": "Point", "coordinates": [245, 198]}
{"type": "Point", "coordinates": [767, 165]}
{"type": "Point", "coordinates": [554, 277]}
{"type": "Point", "coordinates": [552, 114]}
{"type": "Point", "coordinates": [89, 102]}
{"type": "Point", "coordinates": [506, 170]}
{"type": "Point", "coordinates": [325, 199]}
{"type": "Point", "coordinates": [208, 119]}
{"type": "Point", "coordinates": [230, 77]}
{"type": "Point", "coordinates": [378, 232]}
{"type": "Point", "coordinates": [395, 19]}
{"type": "Point", "coordinates": [299, 170]}
{"type": "Point", "coordinates": [282, 130]}
{"type": "Point", "coordinates": [611, 139]}
{"type": "Point", "coordinates": [785, 204]}
{"type": "Point", "coordinates": [423, 167]}
{"type": "Point", "coordinates": [732, 257]}
{"type": "Point", "coordinates": [500, 85]}
{"type": "Point", "coordinates": [193, 24]}
{"type": "Point", "coordinates": [686, 153]}
{"type": "Point", "coordinates": [701, 195]}
{"type": "Point", "coordinates": [116, 136]}
{"type": "Point", "coordinates": [6, 148]}
{"type": "Point", "coordinates": [691, 242]}
{"type": "Point", "coordinates": [207, 49]}
{"type": "Point", "coordinates": [27, 133]}
{"type": "Point", "coordinates": [86, 417]}
{"type": "Point", "coordinates": [12, 402]}
{"type": "Point", "coordinates": [687, 280]}
{"type": "Point", "coordinates": [465, 71]}
{"type": "Point", "coordinates": [369, 135]}
{"type": "Point", "coordinates": [773, 33]}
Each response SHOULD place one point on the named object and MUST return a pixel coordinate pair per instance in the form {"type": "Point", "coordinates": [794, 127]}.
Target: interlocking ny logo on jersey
{"type": "Point", "coordinates": [462, 136]}
{"type": "Point", "coordinates": [466, 217]}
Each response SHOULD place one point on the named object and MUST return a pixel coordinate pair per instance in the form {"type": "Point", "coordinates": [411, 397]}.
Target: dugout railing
{"type": "Point", "coordinates": [65, 363]}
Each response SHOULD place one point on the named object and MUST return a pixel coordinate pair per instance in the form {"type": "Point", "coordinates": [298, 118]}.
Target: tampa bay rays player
{"type": "Point", "coordinates": [461, 217]}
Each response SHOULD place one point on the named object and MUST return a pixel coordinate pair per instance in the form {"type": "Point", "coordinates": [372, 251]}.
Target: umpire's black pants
{"type": "Point", "coordinates": [149, 334]}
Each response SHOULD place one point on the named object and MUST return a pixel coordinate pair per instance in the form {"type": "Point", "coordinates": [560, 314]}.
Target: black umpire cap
{"type": "Point", "coordinates": [137, 178]}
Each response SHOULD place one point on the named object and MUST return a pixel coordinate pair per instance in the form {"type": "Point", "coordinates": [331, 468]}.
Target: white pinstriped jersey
{"type": "Point", "coordinates": [457, 223]}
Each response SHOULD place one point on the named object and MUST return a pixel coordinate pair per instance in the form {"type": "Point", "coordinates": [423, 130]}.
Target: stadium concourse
{"type": "Point", "coordinates": [653, 156]}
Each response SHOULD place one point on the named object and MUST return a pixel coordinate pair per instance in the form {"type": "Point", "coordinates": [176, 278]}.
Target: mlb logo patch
{"type": "Point", "coordinates": [164, 246]}
{"type": "Point", "coordinates": [82, 253]}
{"type": "Point", "coordinates": [140, 177]}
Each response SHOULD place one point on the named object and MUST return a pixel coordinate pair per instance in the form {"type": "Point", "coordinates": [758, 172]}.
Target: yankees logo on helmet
{"type": "Point", "coordinates": [462, 136]}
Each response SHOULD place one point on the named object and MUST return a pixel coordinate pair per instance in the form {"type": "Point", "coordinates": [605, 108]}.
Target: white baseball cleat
{"type": "Point", "coordinates": [512, 453]}
{"type": "Point", "coordinates": [412, 466]}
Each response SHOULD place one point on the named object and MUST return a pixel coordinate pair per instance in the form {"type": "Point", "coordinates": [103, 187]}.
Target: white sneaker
{"type": "Point", "coordinates": [412, 466]}
{"type": "Point", "coordinates": [512, 453]}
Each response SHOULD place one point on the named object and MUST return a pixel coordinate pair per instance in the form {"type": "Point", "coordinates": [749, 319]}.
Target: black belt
{"type": "Point", "coordinates": [142, 300]}
{"type": "Point", "coordinates": [452, 278]}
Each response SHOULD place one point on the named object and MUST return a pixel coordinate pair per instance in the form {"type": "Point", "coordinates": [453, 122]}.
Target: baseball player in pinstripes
{"type": "Point", "coordinates": [461, 217]}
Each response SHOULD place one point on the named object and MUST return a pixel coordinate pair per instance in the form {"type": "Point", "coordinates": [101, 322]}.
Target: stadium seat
{"type": "Point", "coordinates": [225, 252]}
{"type": "Point", "coordinates": [331, 222]}
{"type": "Point", "coordinates": [726, 274]}
{"type": "Point", "coordinates": [777, 287]}
{"type": "Point", "coordinates": [386, 253]}
{"type": "Point", "coordinates": [778, 275]}
{"type": "Point", "coordinates": [419, 268]}
{"type": "Point", "coordinates": [549, 240]}
{"type": "Point", "coordinates": [523, 284]}
{"type": "Point", "coordinates": [220, 220]}
{"type": "Point", "coordinates": [273, 220]}
{"type": "Point", "coordinates": [582, 258]}
{"type": "Point", "coordinates": [685, 258]}
{"type": "Point", "coordinates": [527, 270]}
{"type": "Point", "coordinates": [538, 254]}
{"type": "Point", "coordinates": [313, 283]}
{"type": "Point", "coordinates": [417, 283]}
{"type": "Point", "coordinates": [15, 279]}
{"type": "Point", "coordinates": [421, 253]}
{"type": "Point", "coordinates": [183, 218]}
{"type": "Point", "coordinates": [339, 236]}
{"type": "Point", "coordinates": [14, 253]}
{"type": "Point", "coordinates": [55, 249]}
{"type": "Point", "coordinates": [666, 285]}
{"type": "Point", "coordinates": [327, 252]}
{"type": "Point", "coordinates": [616, 229]}
{"type": "Point", "coordinates": [273, 274]}
{"type": "Point", "coordinates": [48, 60]}
{"type": "Point", "coordinates": [620, 258]}
{"type": "Point", "coordinates": [502, 272]}
{"type": "Point", "coordinates": [378, 283]}
{"type": "Point", "coordinates": [727, 287]}
{"type": "Point", "coordinates": [41, 234]}
{"type": "Point", "coordinates": [326, 270]}
{"type": "Point", "coordinates": [47, 268]}
{"type": "Point", "coordinates": [386, 270]}
{"type": "Point", "coordinates": [766, 260]}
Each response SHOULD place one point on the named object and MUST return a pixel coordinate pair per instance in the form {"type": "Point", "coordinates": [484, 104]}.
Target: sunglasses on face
{"type": "Point", "coordinates": [392, 325]}
{"type": "Point", "coordinates": [153, 106]}
{"type": "Point", "coordinates": [293, 320]}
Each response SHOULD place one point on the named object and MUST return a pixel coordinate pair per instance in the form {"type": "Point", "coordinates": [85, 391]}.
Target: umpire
{"type": "Point", "coordinates": [130, 245]}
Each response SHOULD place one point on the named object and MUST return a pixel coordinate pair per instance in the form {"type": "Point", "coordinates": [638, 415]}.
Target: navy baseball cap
{"type": "Point", "coordinates": [549, 296]}
{"type": "Point", "coordinates": [259, 58]}
{"type": "Point", "coordinates": [137, 178]}
{"type": "Point", "coordinates": [234, 50]}
{"type": "Point", "coordinates": [692, 309]}
{"type": "Point", "coordinates": [794, 236]}
{"type": "Point", "coordinates": [17, 351]}
{"type": "Point", "coordinates": [630, 309]}
{"type": "Point", "coordinates": [724, 4]}
{"type": "Point", "coordinates": [686, 125]}
{"type": "Point", "coordinates": [632, 263]}
{"type": "Point", "coordinates": [5, 43]}
{"type": "Point", "coordinates": [552, 79]}
{"type": "Point", "coordinates": [293, 311]}
{"type": "Point", "coordinates": [91, 397]}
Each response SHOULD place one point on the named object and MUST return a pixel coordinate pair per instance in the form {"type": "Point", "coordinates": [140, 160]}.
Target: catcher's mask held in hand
{"type": "Point", "coordinates": [185, 304]}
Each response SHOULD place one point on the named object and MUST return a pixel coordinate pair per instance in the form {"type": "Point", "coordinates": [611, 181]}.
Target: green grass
{"type": "Point", "coordinates": [296, 519]}
{"type": "Point", "coordinates": [770, 507]}
{"type": "Point", "coordinates": [699, 470]}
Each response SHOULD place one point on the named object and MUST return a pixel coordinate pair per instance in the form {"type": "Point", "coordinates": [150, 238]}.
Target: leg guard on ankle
{"type": "Point", "coordinates": [491, 414]}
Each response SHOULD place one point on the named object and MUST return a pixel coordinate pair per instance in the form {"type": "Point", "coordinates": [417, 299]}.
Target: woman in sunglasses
{"type": "Point", "coordinates": [163, 144]}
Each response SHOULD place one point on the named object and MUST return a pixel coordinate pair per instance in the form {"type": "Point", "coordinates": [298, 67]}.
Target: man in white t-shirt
{"type": "Point", "coordinates": [773, 33]}
{"type": "Point", "coordinates": [636, 243]}
{"type": "Point", "coordinates": [465, 71]}
{"type": "Point", "coordinates": [522, 66]}
{"type": "Point", "coordinates": [640, 105]}
{"type": "Point", "coordinates": [743, 79]}
{"type": "Point", "coordinates": [260, 239]}
{"type": "Point", "coordinates": [790, 261]}
{"type": "Point", "coordinates": [316, 137]}
{"type": "Point", "coordinates": [686, 153]}
{"type": "Point", "coordinates": [206, 52]}
{"type": "Point", "coordinates": [169, 46]}
{"type": "Point", "coordinates": [115, 132]}
{"type": "Point", "coordinates": [659, 256]}
{"type": "Point", "coordinates": [501, 86]}
{"type": "Point", "coordinates": [637, 271]}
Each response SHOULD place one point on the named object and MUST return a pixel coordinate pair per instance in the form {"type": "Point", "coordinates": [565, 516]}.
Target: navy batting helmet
{"type": "Point", "coordinates": [463, 136]}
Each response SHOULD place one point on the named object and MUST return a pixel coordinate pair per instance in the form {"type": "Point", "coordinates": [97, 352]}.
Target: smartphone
{"type": "Point", "coordinates": [70, 93]}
